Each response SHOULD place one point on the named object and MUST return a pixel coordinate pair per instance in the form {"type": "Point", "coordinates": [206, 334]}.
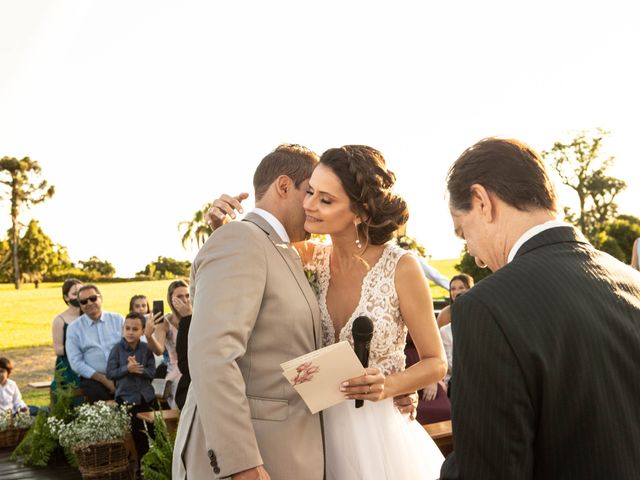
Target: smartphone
{"type": "Point", "coordinates": [158, 307]}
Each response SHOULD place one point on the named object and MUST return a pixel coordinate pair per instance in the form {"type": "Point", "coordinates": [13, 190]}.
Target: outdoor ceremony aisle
{"type": "Point", "coordinates": [14, 471]}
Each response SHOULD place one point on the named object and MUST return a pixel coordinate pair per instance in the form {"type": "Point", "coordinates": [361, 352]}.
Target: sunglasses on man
{"type": "Point", "coordinates": [92, 299]}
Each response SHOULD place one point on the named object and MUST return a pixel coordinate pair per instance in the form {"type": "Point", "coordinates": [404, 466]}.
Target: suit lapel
{"type": "Point", "coordinates": [293, 261]}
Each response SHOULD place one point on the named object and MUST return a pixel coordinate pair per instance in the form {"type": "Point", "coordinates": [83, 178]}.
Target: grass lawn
{"type": "Point", "coordinates": [25, 326]}
{"type": "Point", "coordinates": [26, 316]}
{"type": "Point", "coordinates": [447, 268]}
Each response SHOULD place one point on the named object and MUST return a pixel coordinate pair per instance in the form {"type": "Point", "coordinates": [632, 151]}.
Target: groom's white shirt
{"type": "Point", "coordinates": [274, 222]}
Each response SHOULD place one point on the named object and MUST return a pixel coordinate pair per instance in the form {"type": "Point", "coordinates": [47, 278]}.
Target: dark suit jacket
{"type": "Point", "coordinates": [546, 379]}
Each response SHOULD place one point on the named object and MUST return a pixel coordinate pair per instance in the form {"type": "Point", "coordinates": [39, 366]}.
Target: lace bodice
{"type": "Point", "coordinates": [378, 301]}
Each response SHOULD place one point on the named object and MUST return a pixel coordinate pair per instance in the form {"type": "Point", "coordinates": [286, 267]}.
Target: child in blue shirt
{"type": "Point", "coordinates": [132, 366]}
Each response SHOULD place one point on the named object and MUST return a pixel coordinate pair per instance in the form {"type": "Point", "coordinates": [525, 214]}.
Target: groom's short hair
{"type": "Point", "coordinates": [294, 161]}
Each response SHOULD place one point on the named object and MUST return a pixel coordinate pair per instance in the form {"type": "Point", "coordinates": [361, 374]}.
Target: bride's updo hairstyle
{"type": "Point", "coordinates": [364, 175]}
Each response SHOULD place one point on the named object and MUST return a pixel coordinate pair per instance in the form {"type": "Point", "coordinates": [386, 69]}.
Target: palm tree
{"type": "Point", "coordinates": [196, 230]}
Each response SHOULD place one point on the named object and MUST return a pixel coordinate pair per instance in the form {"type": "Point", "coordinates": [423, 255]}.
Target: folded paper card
{"type": "Point", "coordinates": [317, 375]}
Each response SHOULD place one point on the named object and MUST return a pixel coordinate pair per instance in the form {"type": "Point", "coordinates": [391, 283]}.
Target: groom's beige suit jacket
{"type": "Point", "coordinates": [253, 309]}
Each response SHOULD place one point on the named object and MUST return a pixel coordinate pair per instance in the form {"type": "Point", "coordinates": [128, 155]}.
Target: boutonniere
{"type": "Point", "coordinates": [311, 272]}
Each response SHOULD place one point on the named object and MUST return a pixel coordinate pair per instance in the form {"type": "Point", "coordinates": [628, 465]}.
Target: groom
{"type": "Point", "coordinates": [253, 310]}
{"type": "Point", "coordinates": [546, 349]}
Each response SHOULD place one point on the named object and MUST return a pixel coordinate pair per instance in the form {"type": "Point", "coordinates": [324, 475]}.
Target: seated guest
{"type": "Point", "coordinates": [433, 404]}
{"type": "Point", "coordinates": [132, 366]}
{"type": "Point", "coordinates": [64, 372]}
{"type": "Point", "coordinates": [90, 340]}
{"type": "Point", "coordinates": [10, 397]}
{"type": "Point", "coordinates": [165, 332]}
{"type": "Point", "coordinates": [459, 284]}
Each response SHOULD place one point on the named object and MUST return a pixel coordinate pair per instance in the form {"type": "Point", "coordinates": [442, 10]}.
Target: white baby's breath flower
{"type": "Point", "coordinates": [19, 420]}
{"type": "Point", "coordinates": [98, 422]}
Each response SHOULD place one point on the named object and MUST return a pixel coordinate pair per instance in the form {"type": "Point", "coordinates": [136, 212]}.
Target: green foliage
{"type": "Point", "coordinates": [6, 271]}
{"type": "Point", "coordinates": [102, 268]}
{"type": "Point", "coordinates": [166, 268]}
{"type": "Point", "coordinates": [38, 256]}
{"type": "Point", "coordinates": [579, 166]}
{"type": "Point", "coordinates": [40, 442]}
{"type": "Point", "coordinates": [618, 236]}
{"type": "Point", "coordinates": [38, 445]}
{"type": "Point", "coordinates": [410, 243]}
{"type": "Point", "coordinates": [21, 179]}
{"type": "Point", "coordinates": [156, 463]}
{"type": "Point", "coordinates": [93, 423]}
{"type": "Point", "coordinates": [196, 230]}
{"type": "Point", "coordinates": [20, 420]}
{"type": "Point", "coordinates": [468, 265]}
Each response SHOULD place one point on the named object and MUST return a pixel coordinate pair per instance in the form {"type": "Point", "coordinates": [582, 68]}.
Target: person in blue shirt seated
{"type": "Point", "coordinates": [89, 341]}
{"type": "Point", "coordinates": [132, 366]}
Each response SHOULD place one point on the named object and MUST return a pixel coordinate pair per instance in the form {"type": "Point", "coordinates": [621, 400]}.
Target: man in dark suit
{"type": "Point", "coordinates": [546, 379]}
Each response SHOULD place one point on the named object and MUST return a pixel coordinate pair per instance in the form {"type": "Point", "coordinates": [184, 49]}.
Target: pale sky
{"type": "Point", "coordinates": [139, 112]}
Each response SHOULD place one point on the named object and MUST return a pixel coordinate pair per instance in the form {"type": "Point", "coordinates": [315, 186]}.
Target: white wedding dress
{"type": "Point", "coordinates": [375, 442]}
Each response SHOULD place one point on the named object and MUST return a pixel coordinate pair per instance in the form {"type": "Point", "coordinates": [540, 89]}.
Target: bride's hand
{"type": "Point", "coordinates": [222, 206]}
{"type": "Point", "coordinates": [365, 387]}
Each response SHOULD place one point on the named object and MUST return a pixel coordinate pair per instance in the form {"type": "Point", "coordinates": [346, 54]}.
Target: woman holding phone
{"type": "Point", "coordinates": [162, 333]}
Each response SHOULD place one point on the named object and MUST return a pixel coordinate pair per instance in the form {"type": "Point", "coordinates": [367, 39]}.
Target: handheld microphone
{"type": "Point", "coordinates": [362, 331]}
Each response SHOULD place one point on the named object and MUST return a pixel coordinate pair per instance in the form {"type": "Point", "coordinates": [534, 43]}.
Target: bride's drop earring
{"type": "Point", "coordinates": [358, 244]}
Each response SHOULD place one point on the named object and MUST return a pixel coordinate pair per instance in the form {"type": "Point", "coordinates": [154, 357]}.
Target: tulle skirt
{"type": "Point", "coordinates": [377, 442]}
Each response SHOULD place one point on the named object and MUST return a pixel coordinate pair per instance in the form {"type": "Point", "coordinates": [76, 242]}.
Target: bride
{"type": "Point", "coordinates": [350, 198]}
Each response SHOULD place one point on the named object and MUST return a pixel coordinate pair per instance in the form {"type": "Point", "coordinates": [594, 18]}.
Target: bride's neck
{"type": "Point", "coordinates": [345, 253]}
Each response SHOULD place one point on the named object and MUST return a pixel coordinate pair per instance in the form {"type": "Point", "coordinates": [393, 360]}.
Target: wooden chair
{"type": "Point", "coordinates": [170, 417]}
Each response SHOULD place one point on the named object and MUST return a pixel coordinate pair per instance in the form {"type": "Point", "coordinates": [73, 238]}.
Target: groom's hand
{"type": "Point", "coordinates": [257, 473]}
{"type": "Point", "coordinates": [407, 404]}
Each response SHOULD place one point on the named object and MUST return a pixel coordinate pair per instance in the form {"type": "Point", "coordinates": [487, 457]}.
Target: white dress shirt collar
{"type": "Point", "coordinates": [532, 232]}
{"type": "Point", "coordinates": [274, 222]}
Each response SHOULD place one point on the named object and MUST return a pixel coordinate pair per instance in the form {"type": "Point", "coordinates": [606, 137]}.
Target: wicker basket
{"type": "Point", "coordinates": [104, 460]}
{"type": "Point", "coordinates": [12, 436]}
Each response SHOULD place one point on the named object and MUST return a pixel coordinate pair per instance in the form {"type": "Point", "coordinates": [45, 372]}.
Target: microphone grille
{"type": "Point", "coordinates": [362, 326]}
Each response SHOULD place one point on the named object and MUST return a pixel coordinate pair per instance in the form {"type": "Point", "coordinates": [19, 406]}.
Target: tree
{"type": "Point", "coordinates": [618, 236]}
{"type": "Point", "coordinates": [468, 265]}
{"type": "Point", "coordinates": [5, 262]}
{"type": "Point", "coordinates": [410, 243]}
{"type": "Point", "coordinates": [196, 230]}
{"type": "Point", "coordinates": [39, 256]}
{"type": "Point", "coordinates": [165, 267]}
{"type": "Point", "coordinates": [579, 166]}
{"type": "Point", "coordinates": [101, 267]}
{"type": "Point", "coordinates": [21, 176]}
